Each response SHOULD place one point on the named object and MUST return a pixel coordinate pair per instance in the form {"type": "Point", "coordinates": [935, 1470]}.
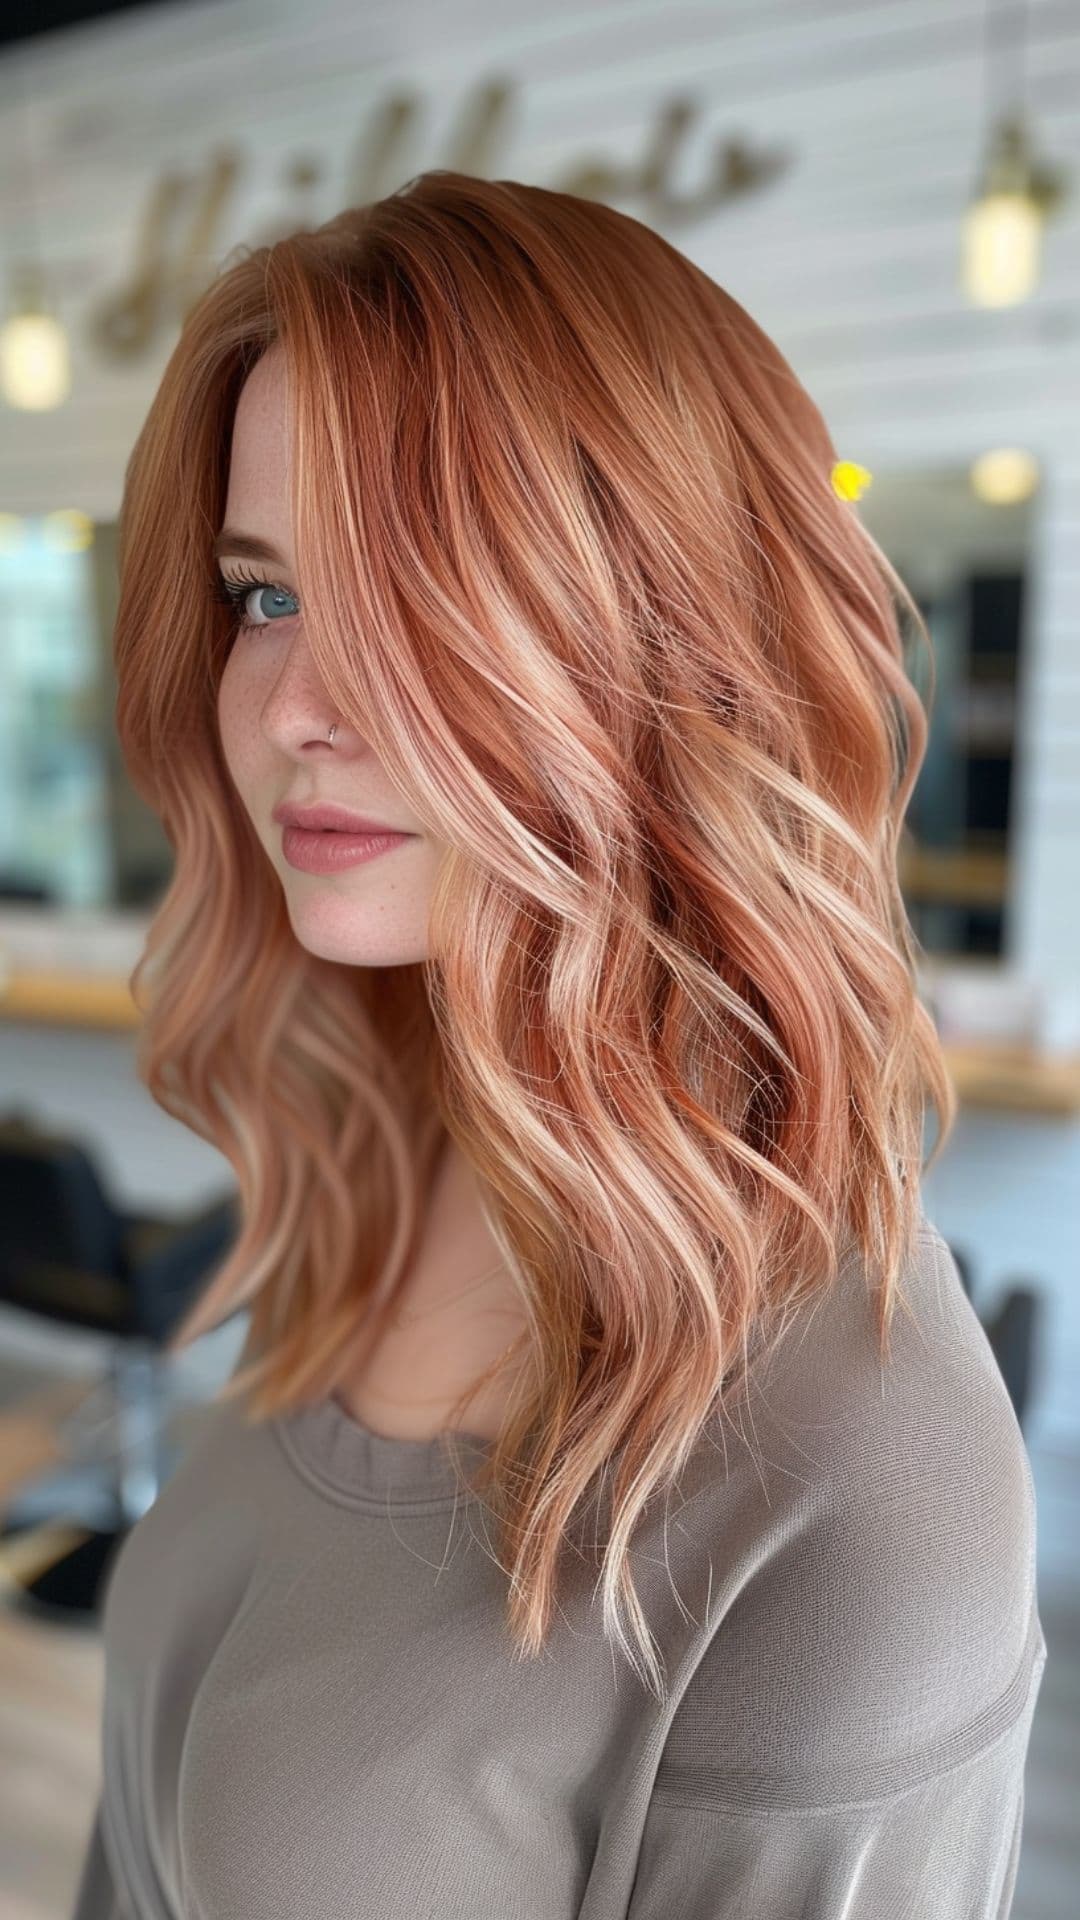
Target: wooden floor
{"type": "Point", "coordinates": [51, 1686]}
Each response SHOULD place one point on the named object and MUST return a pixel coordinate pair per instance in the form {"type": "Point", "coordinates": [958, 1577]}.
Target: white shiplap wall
{"type": "Point", "coordinates": [849, 260]}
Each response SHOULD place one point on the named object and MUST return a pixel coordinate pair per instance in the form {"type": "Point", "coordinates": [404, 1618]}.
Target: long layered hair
{"type": "Point", "coordinates": [571, 558]}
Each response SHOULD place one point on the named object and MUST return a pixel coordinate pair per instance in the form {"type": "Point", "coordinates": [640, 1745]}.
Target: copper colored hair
{"type": "Point", "coordinates": [571, 559]}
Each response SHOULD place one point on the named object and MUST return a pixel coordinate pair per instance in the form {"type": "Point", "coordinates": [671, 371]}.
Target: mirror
{"type": "Point", "coordinates": [965, 561]}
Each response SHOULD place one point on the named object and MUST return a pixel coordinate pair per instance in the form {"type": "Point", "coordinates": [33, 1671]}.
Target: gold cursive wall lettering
{"type": "Point", "coordinates": [179, 242]}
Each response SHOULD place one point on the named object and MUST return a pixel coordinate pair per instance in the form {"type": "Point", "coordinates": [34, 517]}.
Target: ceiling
{"type": "Point", "coordinates": [52, 16]}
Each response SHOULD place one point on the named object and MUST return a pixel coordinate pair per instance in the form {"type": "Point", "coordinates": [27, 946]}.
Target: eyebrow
{"type": "Point", "coordinates": [245, 546]}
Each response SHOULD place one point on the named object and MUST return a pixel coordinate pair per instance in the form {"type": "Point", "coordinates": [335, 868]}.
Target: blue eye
{"type": "Point", "coordinates": [236, 594]}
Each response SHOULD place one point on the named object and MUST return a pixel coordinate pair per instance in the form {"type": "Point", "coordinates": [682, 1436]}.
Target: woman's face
{"type": "Point", "coordinates": [275, 714]}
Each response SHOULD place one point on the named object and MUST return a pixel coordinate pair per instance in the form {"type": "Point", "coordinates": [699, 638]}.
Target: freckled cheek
{"type": "Point", "coordinates": [239, 704]}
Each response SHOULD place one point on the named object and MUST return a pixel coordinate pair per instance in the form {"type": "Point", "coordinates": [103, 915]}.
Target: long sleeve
{"type": "Point", "coordinates": [97, 1896]}
{"type": "Point", "coordinates": [945, 1850]}
{"type": "Point", "coordinates": [851, 1743]}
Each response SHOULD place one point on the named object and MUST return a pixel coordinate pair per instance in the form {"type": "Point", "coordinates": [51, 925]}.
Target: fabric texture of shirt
{"type": "Point", "coordinates": [313, 1708]}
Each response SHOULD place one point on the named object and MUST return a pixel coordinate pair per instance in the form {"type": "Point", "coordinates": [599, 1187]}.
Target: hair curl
{"type": "Point", "coordinates": [631, 657]}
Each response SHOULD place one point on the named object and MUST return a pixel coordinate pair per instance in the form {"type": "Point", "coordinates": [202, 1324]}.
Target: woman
{"type": "Point", "coordinates": [616, 1511]}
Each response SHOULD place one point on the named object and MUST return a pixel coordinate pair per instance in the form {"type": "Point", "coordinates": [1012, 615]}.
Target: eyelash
{"type": "Point", "coordinates": [233, 593]}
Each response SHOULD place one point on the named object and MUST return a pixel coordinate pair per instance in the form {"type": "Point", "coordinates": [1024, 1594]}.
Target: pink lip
{"type": "Point", "coordinates": [332, 850]}
{"type": "Point", "coordinates": [326, 815]}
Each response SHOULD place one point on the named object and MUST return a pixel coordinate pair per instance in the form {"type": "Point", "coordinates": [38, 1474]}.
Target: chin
{"type": "Point", "coordinates": [334, 930]}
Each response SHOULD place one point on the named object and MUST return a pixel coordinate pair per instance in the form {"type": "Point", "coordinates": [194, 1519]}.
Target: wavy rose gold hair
{"type": "Point", "coordinates": [629, 655]}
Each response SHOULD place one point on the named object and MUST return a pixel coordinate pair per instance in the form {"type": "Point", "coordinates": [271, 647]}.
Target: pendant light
{"type": "Point", "coordinates": [35, 360]}
{"type": "Point", "coordinates": [1003, 225]}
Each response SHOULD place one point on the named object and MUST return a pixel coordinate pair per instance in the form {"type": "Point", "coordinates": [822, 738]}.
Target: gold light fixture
{"type": "Point", "coordinates": [35, 362]}
{"type": "Point", "coordinates": [1003, 225]}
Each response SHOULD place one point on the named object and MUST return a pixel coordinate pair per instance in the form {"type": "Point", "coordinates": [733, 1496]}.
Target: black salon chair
{"type": "Point", "coordinates": [1012, 1331]}
{"type": "Point", "coordinates": [69, 1255]}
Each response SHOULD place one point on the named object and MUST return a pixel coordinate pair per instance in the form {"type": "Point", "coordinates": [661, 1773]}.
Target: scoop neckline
{"type": "Point", "coordinates": [355, 1462]}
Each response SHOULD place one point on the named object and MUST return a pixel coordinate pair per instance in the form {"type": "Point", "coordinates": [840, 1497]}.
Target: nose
{"type": "Point", "coordinates": [298, 710]}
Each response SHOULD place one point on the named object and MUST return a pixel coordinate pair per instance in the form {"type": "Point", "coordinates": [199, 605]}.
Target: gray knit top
{"type": "Point", "coordinates": [313, 1709]}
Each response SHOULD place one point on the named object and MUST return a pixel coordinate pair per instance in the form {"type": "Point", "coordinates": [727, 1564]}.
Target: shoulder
{"type": "Point", "coordinates": [206, 1515]}
{"type": "Point", "coordinates": [882, 1627]}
